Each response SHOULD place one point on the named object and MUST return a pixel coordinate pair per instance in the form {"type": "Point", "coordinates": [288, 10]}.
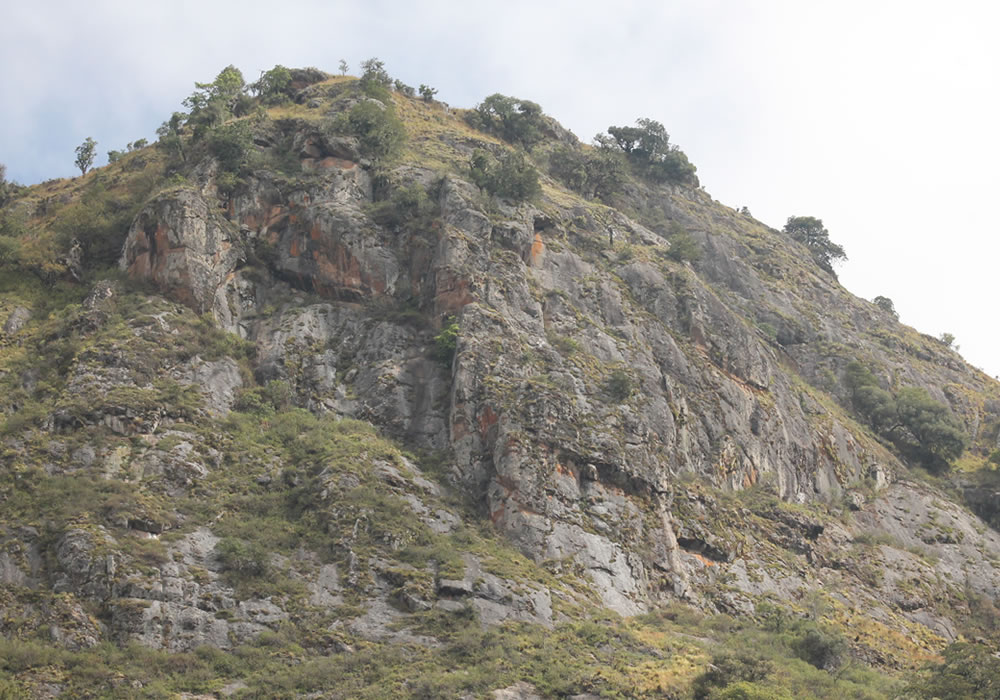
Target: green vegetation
{"type": "Point", "coordinates": [969, 670]}
{"type": "Point", "coordinates": [809, 231]}
{"type": "Point", "coordinates": [683, 247]}
{"type": "Point", "coordinates": [85, 154]}
{"type": "Point", "coordinates": [8, 191]}
{"type": "Point", "coordinates": [446, 342]}
{"type": "Point", "coordinates": [648, 150]}
{"type": "Point", "coordinates": [594, 173]}
{"type": "Point", "coordinates": [427, 93]}
{"type": "Point", "coordinates": [274, 86]}
{"type": "Point", "coordinates": [512, 119]}
{"type": "Point", "coordinates": [213, 103]}
{"type": "Point", "coordinates": [375, 81]}
{"type": "Point", "coordinates": [407, 207]}
{"type": "Point", "coordinates": [379, 130]}
{"type": "Point", "coordinates": [885, 303]}
{"type": "Point", "coordinates": [918, 425]}
{"type": "Point", "coordinates": [650, 656]}
{"type": "Point", "coordinates": [510, 176]}
{"type": "Point", "coordinates": [618, 385]}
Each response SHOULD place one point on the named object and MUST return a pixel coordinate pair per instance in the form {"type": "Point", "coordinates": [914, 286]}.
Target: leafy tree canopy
{"type": "Point", "coordinates": [647, 147]}
{"type": "Point", "coordinates": [373, 70]}
{"type": "Point", "coordinates": [918, 424]}
{"type": "Point", "coordinates": [274, 86]}
{"type": "Point", "coordinates": [511, 175]}
{"type": "Point", "coordinates": [214, 102]}
{"type": "Point", "coordinates": [85, 154]}
{"type": "Point", "coordinates": [968, 671]}
{"type": "Point", "coordinates": [885, 303]}
{"type": "Point", "coordinates": [597, 173]}
{"type": "Point", "coordinates": [512, 119]}
{"type": "Point", "coordinates": [810, 231]}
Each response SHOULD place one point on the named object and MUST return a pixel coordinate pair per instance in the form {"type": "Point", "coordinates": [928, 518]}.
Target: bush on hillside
{"type": "Point", "coordinates": [809, 231]}
{"type": "Point", "coordinates": [379, 131]}
{"type": "Point", "coordinates": [510, 176]}
{"type": "Point", "coordinates": [597, 174]}
{"type": "Point", "coordinates": [916, 423]}
{"type": "Point", "coordinates": [513, 120]}
{"type": "Point", "coordinates": [648, 150]}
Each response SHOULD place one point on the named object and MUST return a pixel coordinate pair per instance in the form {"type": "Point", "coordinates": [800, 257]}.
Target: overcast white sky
{"type": "Point", "coordinates": [881, 117]}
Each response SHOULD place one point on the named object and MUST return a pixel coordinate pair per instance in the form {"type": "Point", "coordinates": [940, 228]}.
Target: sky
{"type": "Point", "coordinates": [879, 117]}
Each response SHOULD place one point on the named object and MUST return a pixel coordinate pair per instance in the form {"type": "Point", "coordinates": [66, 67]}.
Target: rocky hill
{"type": "Point", "coordinates": [336, 391]}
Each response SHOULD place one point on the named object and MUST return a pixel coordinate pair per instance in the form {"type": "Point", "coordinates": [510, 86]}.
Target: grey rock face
{"type": "Point", "coordinates": [185, 247]}
{"type": "Point", "coordinates": [589, 383]}
{"type": "Point", "coordinates": [16, 320]}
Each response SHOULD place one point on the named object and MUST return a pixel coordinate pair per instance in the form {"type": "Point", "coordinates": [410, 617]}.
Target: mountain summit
{"type": "Point", "coordinates": [337, 391]}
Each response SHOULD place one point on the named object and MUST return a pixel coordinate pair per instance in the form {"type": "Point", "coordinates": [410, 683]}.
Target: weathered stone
{"type": "Point", "coordinates": [17, 319]}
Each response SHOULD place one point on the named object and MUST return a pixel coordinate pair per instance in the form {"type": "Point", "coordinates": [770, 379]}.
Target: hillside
{"type": "Point", "coordinates": [337, 391]}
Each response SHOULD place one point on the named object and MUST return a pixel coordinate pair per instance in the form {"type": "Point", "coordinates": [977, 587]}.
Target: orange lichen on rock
{"type": "Point", "coordinates": [537, 251]}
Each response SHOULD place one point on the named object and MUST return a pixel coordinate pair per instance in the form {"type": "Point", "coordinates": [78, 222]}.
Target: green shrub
{"type": "Point", "coordinates": [512, 119]}
{"type": "Point", "coordinates": [276, 395]}
{"type": "Point", "coordinates": [274, 86]}
{"type": "Point", "coordinates": [885, 303]}
{"type": "Point", "coordinates": [683, 247]}
{"type": "Point", "coordinates": [230, 144]}
{"type": "Point", "coordinates": [728, 667]}
{"type": "Point", "coordinates": [510, 176]}
{"type": "Point", "coordinates": [427, 93]}
{"type": "Point", "coordinates": [406, 206]}
{"type": "Point", "coordinates": [374, 74]}
{"type": "Point", "coordinates": [968, 671]}
{"type": "Point", "coordinates": [446, 342]}
{"type": "Point", "coordinates": [822, 647]}
{"type": "Point", "coordinates": [618, 385]}
{"type": "Point", "coordinates": [920, 426]}
{"type": "Point", "coordinates": [379, 130]}
{"type": "Point", "coordinates": [596, 173]}
{"type": "Point", "coordinates": [240, 559]}
{"type": "Point", "coordinates": [648, 149]}
{"type": "Point", "coordinates": [809, 231]}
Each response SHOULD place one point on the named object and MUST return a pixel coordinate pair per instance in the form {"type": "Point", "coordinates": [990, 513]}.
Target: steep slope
{"type": "Point", "coordinates": [348, 395]}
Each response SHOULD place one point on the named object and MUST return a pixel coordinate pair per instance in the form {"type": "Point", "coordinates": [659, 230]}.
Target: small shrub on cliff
{"type": "Point", "coordinates": [810, 231]}
{"type": "Point", "coordinates": [406, 206]}
{"type": "Point", "coordinates": [596, 173]}
{"type": "Point", "coordinates": [682, 246]}
{"type": "Point", "coordinates": [379, 131]}
{"type": "Point", "coordinates": [230, 144]}
{"type": "Point", "coordinates": [85, 154]}
{"type": "Point", "coordinates": [510, 176]}
{"type": "Point", "coordinates": [8, 189]}
{"type": "Point", "coordinates": [618, 385]}
{"type": "Point", "coordinates": [446, 342]}
{"type": "Point", "coordinates": [274, 86]}
{"type": "Point", "coordinates": [885, 303]}
{"type": "Point", "coordinates": [427, 93]}
{"type": "Point", "coordinates": [373, 71]}
{"type": "Point", "coordinates": [212, 103]}
{"type": "Point", "coordinates": [242, 560]}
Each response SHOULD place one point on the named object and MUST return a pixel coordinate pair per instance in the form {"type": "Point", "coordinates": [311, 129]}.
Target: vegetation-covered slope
{"type": "Point", "coordinates": [338, 390]}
